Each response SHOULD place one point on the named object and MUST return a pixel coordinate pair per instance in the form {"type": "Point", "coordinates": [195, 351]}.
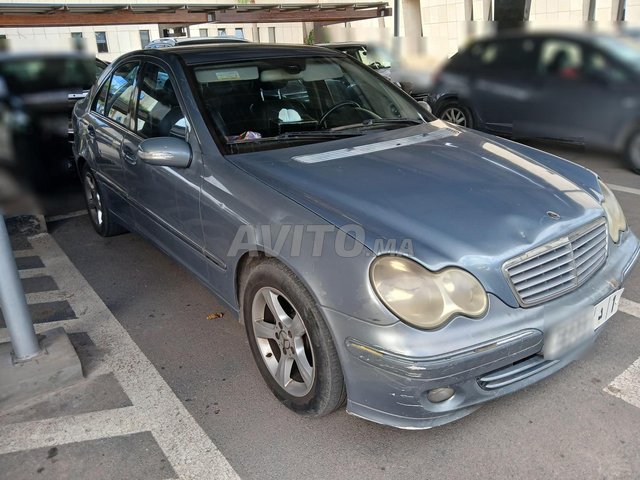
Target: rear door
{"type": "Point", "coordinates": [582, 93]}
{"type": "Point", "coordinates": [110, 121]}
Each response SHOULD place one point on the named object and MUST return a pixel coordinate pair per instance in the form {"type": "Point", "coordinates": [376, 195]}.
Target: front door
{"type": "Point", "coordinates": [165, 199]}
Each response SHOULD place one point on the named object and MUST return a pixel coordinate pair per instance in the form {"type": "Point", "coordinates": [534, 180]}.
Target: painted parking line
{"type": "Point", "coordinates": [66, 216]}
{"type": "Point", "coordinates": [155, 409]}
{"type": "Point", "coordinates": [626, 386]}
{"type": "Point", "coordinates": [629, 307]}
{"type": "Point", "coordinates": [620, 188]}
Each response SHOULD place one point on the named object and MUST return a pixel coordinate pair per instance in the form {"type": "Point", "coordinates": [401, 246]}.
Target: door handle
{"type": "Point", "coordinates": [91, 131]}
{"type": "Point", "coordinates": [129, 155]}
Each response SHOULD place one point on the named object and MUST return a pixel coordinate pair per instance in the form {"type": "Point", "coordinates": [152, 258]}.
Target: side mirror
{"type": "Point", "coordinates": [165, 152]}
{"type": "Point", "coordinates": [425, 105]}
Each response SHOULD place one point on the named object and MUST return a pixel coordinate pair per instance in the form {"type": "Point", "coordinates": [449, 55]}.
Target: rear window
{"type": "Point", "coordinates": [32, 75]}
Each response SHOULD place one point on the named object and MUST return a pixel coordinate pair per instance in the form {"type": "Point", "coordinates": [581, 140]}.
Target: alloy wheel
{"type": "Point", "coordinates": [454, 115]}
{"type": "Point", "coordinates": [283, 341]}
{"type": "Point", "coordinates": [92, 196]}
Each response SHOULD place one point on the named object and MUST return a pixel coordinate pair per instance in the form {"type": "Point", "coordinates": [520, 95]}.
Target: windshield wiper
{"type": "Point", "coordinates": [296, 136]}
{"type": "Point", "coordinates": [380, 122]}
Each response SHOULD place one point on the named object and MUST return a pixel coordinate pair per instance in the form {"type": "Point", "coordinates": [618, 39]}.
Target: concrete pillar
{"type": "Point", "coordinates": [13, 302]}
{"type": "Point", "coordinates": [412, 16]}
{"type": "Point", "coordinates": [589, 10]}
{"type": "Point", "coordinates": [487, 10]}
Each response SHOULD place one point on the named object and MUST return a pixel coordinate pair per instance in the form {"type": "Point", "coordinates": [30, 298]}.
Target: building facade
{"type": "Point", "coordinates": [444, 24]}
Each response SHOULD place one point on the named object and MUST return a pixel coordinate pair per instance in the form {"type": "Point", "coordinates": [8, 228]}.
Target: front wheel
{"type": "Point", "coordinates": [290, 341]}
{"type": "Point", "coordinates": [632, 152]}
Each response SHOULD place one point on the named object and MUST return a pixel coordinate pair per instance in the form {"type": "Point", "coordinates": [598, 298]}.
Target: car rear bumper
{"type": "Point", "coordinates": [390, 388]}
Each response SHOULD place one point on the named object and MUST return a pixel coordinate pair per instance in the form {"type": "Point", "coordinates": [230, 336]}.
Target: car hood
{"type": "Point", "coordinates": [457, 198]}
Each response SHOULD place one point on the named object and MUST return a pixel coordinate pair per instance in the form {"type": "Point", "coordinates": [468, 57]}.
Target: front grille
{"type": "Point", "coordinates": [559, 266]}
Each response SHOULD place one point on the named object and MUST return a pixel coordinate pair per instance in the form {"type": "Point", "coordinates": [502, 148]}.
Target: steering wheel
{"type": "Point", "coordinates": [336, 107]}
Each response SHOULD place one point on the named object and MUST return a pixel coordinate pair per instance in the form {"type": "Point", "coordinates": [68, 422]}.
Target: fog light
{"type": "Point", "coordinates": [439, 395]}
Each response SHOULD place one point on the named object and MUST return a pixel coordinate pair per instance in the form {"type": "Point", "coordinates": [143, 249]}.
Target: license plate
{"type": "Point", "coordinates": [565, 336]}
{"type": "Point", "coordinates": [606, 308]}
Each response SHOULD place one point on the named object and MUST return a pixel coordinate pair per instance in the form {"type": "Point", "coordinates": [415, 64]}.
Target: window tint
{"type": "Point", "coordinates": [561, 59]}
{"type": "Point", "coordinates": [159, 113]}
{"type": "Point", "coordinates": [118, 105]}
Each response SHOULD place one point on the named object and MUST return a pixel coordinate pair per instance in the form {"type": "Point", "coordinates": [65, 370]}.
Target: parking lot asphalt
{"type": "Point", "coordinates": [568, 426]}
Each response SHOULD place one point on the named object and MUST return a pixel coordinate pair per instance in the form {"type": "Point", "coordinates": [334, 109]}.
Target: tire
{"type": "Point", "coordinates": [455, 113]}
{"type": "Point", "coordinates": [632, 152]}
{"type": "Point", "coordinates": [98, 206]}
{"type": "Point", "coordinates": [298, 347]}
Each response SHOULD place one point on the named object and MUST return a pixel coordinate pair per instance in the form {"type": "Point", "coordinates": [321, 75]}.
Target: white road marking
{"type": "Point", "coordinates": [23, 253]}
{"type": "Point", "coordinates": [155, 408]}
{"type": "Point", "coordinates": [629, 307]}
{"type": "Point", "coordinates": [66, 216]}
{"type": "Point", "coordinates": [620, 188]}
{"type": "Point", "coordinates": [626, 386]}
{"type": "Point", "coordinates": [45, 297]}
{"type": "Point", "coordinates": [33, 272]}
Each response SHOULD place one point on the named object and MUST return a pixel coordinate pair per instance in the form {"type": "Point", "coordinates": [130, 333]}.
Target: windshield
{"type": "Point", "coordinates": [626, 50]}
{"type": "Point", "coordinates": [280, 102]}
{"type": "Point", "coordinates": [33, 75]}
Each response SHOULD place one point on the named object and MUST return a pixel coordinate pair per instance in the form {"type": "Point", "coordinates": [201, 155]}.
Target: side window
{"type": "Point", "coordinates": [561, 59]}
{"type": "Point", "coordinates": [118, 105]}
{"type": "Point", "coordinates": [515, 55]}
{"type": "Point", "coordinates": [599, 68]}
{"type": "Point", "coordinates": [101, 99]}
{"type": "Point", "coordinates": [159, 113]}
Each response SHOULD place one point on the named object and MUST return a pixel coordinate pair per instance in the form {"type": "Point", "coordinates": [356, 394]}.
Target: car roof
{"type": "Point", "coordinates": [576, 35]}
{"type": "Point", "coordinates": [230, 51]}
{"type": "Point", "coordinates": [203, 40]}
{"type": "Point", "coordinates": [341, 44]}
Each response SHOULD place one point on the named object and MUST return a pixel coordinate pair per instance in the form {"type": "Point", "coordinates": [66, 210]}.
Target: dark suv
{"type": "Point", "coordinates": [571, 87]}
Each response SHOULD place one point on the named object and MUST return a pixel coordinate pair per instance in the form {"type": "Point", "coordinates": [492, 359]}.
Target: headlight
{"type": "Point", "coordinates": [423, 298]}
{"type": "Point", "coordinates": [612, 209]}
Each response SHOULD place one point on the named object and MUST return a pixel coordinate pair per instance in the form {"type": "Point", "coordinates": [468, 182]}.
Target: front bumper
{"type": "Point", "coordinates": [390, 369]}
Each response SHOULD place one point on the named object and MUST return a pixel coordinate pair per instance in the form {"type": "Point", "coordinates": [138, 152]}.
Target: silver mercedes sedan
{"type": "Point", "coordinates": [375, 254]}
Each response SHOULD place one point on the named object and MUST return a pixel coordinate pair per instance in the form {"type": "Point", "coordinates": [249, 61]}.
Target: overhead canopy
{"type": "Point", "coordinates": [78, 14]}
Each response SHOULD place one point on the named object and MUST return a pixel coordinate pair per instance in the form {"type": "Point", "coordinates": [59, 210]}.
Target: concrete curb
{"type": "Point", "coordinates": [58, 366]}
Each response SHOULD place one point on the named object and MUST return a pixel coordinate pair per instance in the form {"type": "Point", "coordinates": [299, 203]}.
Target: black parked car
{"type": "Point", "coordinates": [571, 87]}
{"type": "Point", "coordinates": [37, 93]}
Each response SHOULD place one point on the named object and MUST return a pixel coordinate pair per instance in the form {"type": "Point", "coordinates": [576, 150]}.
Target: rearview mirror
{"type": "Point", "coordinates": [165, 152]}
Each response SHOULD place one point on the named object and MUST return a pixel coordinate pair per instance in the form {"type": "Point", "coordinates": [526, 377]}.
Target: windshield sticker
{"type": "Point", "coordinates": [229, 75]}
{"type": "Point", "coordinates": [376, 147]}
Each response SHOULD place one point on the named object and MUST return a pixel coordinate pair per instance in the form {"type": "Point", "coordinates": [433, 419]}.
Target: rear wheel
{"type": "Point", "coordinates": [97, 206]}
{"type": "Point", "coordinates": [290, 341]}
{"type": "Point", "coordinates": [632, 152]}
{"type": "Point", "coordinates": [455, 113]}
